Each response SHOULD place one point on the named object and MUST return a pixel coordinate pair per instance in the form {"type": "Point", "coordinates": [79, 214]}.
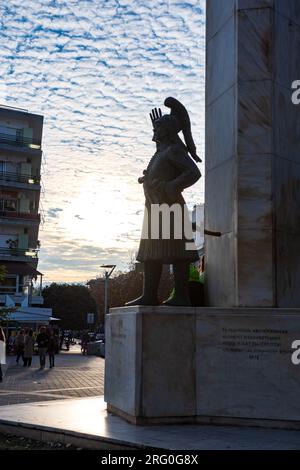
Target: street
{"type": "Point", "coordinates": [73, 376]}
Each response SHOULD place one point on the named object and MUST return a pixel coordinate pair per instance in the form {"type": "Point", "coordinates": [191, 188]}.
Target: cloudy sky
{"type": "Point", "coordinates": [94, 69]}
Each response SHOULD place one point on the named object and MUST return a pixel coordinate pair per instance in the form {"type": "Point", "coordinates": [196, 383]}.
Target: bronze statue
{"type": "Point", "coordinates": [169, 172]}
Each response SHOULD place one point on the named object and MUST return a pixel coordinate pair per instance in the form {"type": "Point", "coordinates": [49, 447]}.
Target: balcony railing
{"type": "Point", "coordinates": [28, 253]}
{"type": "Point", "coordinates": [20, 215]}
{"type": "Point", "coordinates": [17, 141]}
{"type": "Point", "coordinates": [20, 178]}
{"type": "Point", "coordinates": [18, 298]}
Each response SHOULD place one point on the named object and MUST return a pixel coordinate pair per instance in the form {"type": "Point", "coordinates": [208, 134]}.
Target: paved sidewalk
{"type": "Point", "coordinates": [65, 404]}
{"type": "Point", "coordinates": [85, 423]}
{"type": "Point", "coordinates": [73, 376]}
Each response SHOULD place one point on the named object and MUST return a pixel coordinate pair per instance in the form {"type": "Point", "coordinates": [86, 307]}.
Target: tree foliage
{"type": "Point", "coordinates": [2, 273]}
{"type": "Point", "coordinates": [4, 311]}
{"type": "Point", "coordinates": [70, 303]}
{"type": "Point", "coordinates": [126, 286]}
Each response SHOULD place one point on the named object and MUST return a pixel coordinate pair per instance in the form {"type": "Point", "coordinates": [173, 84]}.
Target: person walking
{"type": "Point", "coordinates": [19, 345]}
{"type": "Point", "coordinates": [2, 351]}
{"type": "Point", "coordinates": [28, 348]}
{"type": "Point", "coordinates": [52, 348]}
{"type": "Point", "coordinates": [42, 340]}
{"type": "Point", "coordinates": [10, 347]}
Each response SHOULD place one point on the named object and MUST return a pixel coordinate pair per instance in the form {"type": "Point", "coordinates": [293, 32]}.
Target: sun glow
{"type": "Point", "coordinates": [103, 213]}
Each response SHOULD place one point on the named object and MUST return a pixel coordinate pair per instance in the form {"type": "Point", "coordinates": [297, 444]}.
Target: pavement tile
{"type": "Point", "coordinates": [74, 376]}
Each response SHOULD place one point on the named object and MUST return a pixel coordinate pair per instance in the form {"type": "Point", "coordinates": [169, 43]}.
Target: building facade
{"type": "Point", "coordinates": [20, 189]}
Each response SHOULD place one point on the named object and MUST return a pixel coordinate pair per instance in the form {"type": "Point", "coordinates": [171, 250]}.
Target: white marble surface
{"type": "Point", "coordinates": [220, 270]}
{"type": "Point", "coordinates": [289, 8]}
{"type": "Point", "coordinates": [221, 216]}
{"type": "Point", "coordinates": [88, 417]}
{"type": "Point", "coordinates": [244, 365]}
{"type": "Point", "coordinates": [286, 124]}
{"type": "Point", "coordinates": [255, 44]}
{"type": "Point", "coordinates": [168, 365]}
{"type": "Point", "coordinates": [220, 58]}
{"type": "Point", "coordinates": [255, 268]}
{"type": "Point", "coordinates": [143, 376]}
{"type": "Point", "coordinates": [122, 360]}
{"type": "Point", "coordinates": [246, 4]}
{"type": "Point", "coordinates": [220, 129]}
{"type": "Point", "coordinates": [287, 195]}
{"type": "Point", "coordinates": [255, 134]}
{"type": "Point", "coordinates": [286, 39]}
{"type": "Point", "coordinates": [288, 269]}
{"type": "Point", "coordinates": [203, 362]}
{"type": "Point", "coordinates": [218, 13]}
{"type": "Point", "coordinates": [255, 205]}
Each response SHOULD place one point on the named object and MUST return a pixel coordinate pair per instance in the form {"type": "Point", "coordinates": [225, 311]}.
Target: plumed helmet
{"type": "Point", "coordinates": [179, 112]}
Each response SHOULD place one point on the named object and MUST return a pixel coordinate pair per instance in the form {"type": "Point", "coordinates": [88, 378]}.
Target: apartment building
{"type": "Point", "coordinates": [20, 189]}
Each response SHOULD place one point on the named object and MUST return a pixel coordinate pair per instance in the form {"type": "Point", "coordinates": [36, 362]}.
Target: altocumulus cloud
{"type": "Point", "coordinates": [94, 69]}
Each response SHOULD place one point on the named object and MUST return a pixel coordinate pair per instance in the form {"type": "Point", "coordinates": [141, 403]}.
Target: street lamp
{"type": "Point", "coordinates": [106, 278]}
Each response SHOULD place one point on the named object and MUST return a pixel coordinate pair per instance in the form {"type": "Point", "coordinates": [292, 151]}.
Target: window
{"type": "Point", "coordinates": [8, 205]}
{"type": "Point", "coordinates": [9, 170]}
{"type": "Point", "coordinates": [9, 285]}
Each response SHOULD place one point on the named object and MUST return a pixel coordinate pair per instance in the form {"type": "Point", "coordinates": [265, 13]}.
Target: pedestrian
{"type": "Point", "coordinates": [52, 348]}
{"type": "Point", "coordinates": [62, 339]}
{"type": "Point", "coordinates": [42, 340]}
{"type": "Point", "coordinates": [11, 343]}
{"type": "Point", "coordinates": [28, 348]}
{"type": "Point", "coordinates": [19, 345]}
{"type": "Point", "coordinates": [84, 342]}
{"type": "Point", "coordinates": [2, 351]}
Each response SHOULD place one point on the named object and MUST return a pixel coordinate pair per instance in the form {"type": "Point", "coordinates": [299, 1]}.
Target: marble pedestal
{"type": "Point", "coordinates": [166, 364]}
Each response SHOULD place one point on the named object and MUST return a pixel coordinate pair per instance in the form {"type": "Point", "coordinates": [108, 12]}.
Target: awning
{"type": "Point", "coordinates": [23, 269]}
{"type": "Point", "coordinates": [32, 315]}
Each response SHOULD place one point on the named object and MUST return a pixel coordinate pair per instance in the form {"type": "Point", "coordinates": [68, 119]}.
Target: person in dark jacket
{"type": "Point", "coordinates": [52, 348]}
{"type": "Point", "coordinates": [42, 340]}
{"type": "Point", "coordinates": [28, 348]}
{"type": "Point", "coordinates": [2, 351]}
{"type": "Point", "coordinates": [19, 345]}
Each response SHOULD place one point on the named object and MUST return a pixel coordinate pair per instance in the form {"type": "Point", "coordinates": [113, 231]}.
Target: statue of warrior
{"type": "Point", "coordinates": [171, 169]}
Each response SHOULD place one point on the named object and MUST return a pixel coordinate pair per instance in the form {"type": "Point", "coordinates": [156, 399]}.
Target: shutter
{"type": "Point", "coordinates": [23, 241]}
{"type": "Point", "coordinates": [24, 205]}
{"type": "Point", "coordinates": [26, 169]}
{"type": "Point", "coordinates": [27, 135]}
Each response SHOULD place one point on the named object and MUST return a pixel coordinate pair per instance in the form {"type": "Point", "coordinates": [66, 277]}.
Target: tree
{"type": "Point", "coordinates": [2, 273]}
{"type": "Point", "coordinates": [125, 286]}
{"type": "Point", "coordinates": [70, 303]}
{"type": "Point", "coordinates": [4, 311]}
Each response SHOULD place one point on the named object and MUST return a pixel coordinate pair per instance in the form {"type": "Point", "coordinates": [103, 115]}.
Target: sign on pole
{"type": "Point", "coordinates": [90, 318]}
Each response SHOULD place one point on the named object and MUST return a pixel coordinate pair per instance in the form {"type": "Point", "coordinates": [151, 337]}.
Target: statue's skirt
{"type": "Point", "coordinates": [167, 235]}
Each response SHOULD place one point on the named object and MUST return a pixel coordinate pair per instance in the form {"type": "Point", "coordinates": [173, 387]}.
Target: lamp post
{"type": "Point", "coordinates": [106, 278]}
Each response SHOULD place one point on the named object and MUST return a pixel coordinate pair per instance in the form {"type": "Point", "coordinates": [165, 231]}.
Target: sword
{"type": "Point", "coordinates": [212, 234]}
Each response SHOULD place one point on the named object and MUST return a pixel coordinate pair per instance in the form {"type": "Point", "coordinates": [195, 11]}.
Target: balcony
{"type": "Point", "coordinates": [19, 141]}
{"type": "Point", "coordinates": [20, 216]}
{"type": "Point", "coordinates": [19, 178]}
{"type": "Point", "coordinates": [17, 253]}
{"type": "Point", "coordinates": [19, 298]}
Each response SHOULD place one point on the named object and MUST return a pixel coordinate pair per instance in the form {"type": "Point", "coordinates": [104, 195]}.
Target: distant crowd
{"type": "Point", "coordinates": [47, 341]}
{"type": "Point", "coordinates": [24, 343]}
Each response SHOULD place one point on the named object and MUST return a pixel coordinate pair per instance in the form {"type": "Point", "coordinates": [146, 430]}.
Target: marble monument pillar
{"type": "Point", "coordinates": [252, 153]}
